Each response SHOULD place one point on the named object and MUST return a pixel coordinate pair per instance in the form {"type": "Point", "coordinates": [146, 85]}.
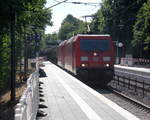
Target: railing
{"type": "Point", "coordinates": [135, 61]}
{"type": "Point", "coordinates": [27, 107]}
{"type": "Point", "coordinates": [132, 83]}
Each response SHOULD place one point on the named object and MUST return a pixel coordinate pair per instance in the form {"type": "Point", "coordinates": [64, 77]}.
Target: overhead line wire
{"type": "Point", "coordinates": [85, 3]}
{"type": "Point", "coordinates": [57, 4]}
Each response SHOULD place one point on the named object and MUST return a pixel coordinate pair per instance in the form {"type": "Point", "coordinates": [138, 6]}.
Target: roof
{"type": "Point", "coordinates": [73, 39]}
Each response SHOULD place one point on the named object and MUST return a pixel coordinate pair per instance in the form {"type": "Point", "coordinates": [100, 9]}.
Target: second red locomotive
{"type": "Point", "coordinates": [88, 55]}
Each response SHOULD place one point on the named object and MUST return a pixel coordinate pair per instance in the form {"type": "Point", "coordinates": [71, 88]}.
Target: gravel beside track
{"type": "Point", "coordinates": [129, 106]}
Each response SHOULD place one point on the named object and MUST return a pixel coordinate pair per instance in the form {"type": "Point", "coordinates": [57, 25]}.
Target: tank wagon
{"type": "Point", "coordinates": [88, 56]}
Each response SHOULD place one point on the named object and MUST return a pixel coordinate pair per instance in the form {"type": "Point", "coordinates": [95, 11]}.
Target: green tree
{"type": "Point", "coordinates": [71, 26]}
{"type": "Point", "coordinates": [51, 38]}
{"type": "Point", "coordinates": [28, 13]}
{"type": "Point", "coordinates": [141, 31]}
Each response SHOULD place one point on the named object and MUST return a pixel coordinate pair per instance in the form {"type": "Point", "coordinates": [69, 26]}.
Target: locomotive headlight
{"type": "Point", "coordinates": [83, 65]}
{"type": "Point", "coordinates": [107, 65]}
{"type": "Point", "coordinates": [106, 58]}
{"type": "Point", "coordinates": [84, 58]}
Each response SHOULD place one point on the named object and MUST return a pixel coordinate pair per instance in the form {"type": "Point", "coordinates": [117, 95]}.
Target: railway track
{"type": "Point", "coordinates": [134, 101]}
{"type": "Point", "coordinates": [130, 104]}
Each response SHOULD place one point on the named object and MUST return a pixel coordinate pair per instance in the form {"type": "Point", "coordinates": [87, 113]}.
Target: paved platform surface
{"type": "Point", "coordinates": [69, 99]}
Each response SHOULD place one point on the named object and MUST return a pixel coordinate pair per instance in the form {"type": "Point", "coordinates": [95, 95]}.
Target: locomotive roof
{"type": "Point", "coordinates": [72, 39]}
{"type": "Point", "coordinates": [62, 43]}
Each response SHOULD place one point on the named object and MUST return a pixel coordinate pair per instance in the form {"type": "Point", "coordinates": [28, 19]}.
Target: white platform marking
{"type": "Point", "coordinates": [91, 114]}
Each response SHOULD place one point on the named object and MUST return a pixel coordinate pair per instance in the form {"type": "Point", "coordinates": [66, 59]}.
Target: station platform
{"type": "Point", "coordinates": [134, 68]}
{"type": "Point", "coordinates": [67, 98]}
{"type": "Point", "coordinates": [139, 73]}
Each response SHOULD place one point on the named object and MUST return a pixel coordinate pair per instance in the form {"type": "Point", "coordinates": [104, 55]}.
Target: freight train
{"type": "Point", "coordinates": [88, 56]}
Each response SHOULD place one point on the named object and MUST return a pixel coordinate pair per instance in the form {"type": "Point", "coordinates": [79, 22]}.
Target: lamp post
{"type": "Point", "coordinates": [119, 45]}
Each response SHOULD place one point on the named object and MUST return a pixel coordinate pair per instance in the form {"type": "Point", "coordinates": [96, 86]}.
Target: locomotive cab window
{"type": "Point", "coordinates": [94, 45]}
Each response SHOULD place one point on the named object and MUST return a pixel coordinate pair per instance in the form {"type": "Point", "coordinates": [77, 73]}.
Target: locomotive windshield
{"type": "Point", "coordinates": [94, 45]}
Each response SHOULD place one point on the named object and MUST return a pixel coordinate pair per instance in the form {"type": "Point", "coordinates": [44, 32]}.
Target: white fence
{"type": "Point", "coordinates": [135, 61]}
{"type": "Point", "coordinates": [27, 107]}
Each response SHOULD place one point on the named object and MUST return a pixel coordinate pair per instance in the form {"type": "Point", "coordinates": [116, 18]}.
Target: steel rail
{"type": "Point", "coordinates": [146, 107]}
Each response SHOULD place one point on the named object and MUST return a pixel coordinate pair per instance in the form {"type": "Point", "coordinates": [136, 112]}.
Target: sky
{"type": "Point", "coordinates": [60, 11]}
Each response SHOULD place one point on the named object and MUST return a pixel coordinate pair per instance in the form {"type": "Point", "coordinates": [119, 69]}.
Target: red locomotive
{"type": "Point", "coordinates": [88, 55]}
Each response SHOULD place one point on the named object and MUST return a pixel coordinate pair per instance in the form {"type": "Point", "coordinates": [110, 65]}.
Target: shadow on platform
{"type": "Point", "coordinates": [42, 73]}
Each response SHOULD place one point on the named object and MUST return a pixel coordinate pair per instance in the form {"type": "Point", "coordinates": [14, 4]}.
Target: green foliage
{"type": "Point", "coordinates": [71, 26]}
{"type": "Point", "coordinates": [51, 38]}
{"type": "Point", "coordinates": [142, 28]}
{"type": "Point", "coordinates": [31, 17]}
{"type": "Point", "coordinates": [4, 60]}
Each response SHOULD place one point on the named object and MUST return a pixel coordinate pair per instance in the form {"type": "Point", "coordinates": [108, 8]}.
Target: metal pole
{"type": "Point", "coordinates": [117, 60]}
{"type": "Point", "coordinates": [13, 67]}
{"type": "Point", "coordinates": [25, 56]}
{"type": "Point", "coordinates": [37, 41]}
